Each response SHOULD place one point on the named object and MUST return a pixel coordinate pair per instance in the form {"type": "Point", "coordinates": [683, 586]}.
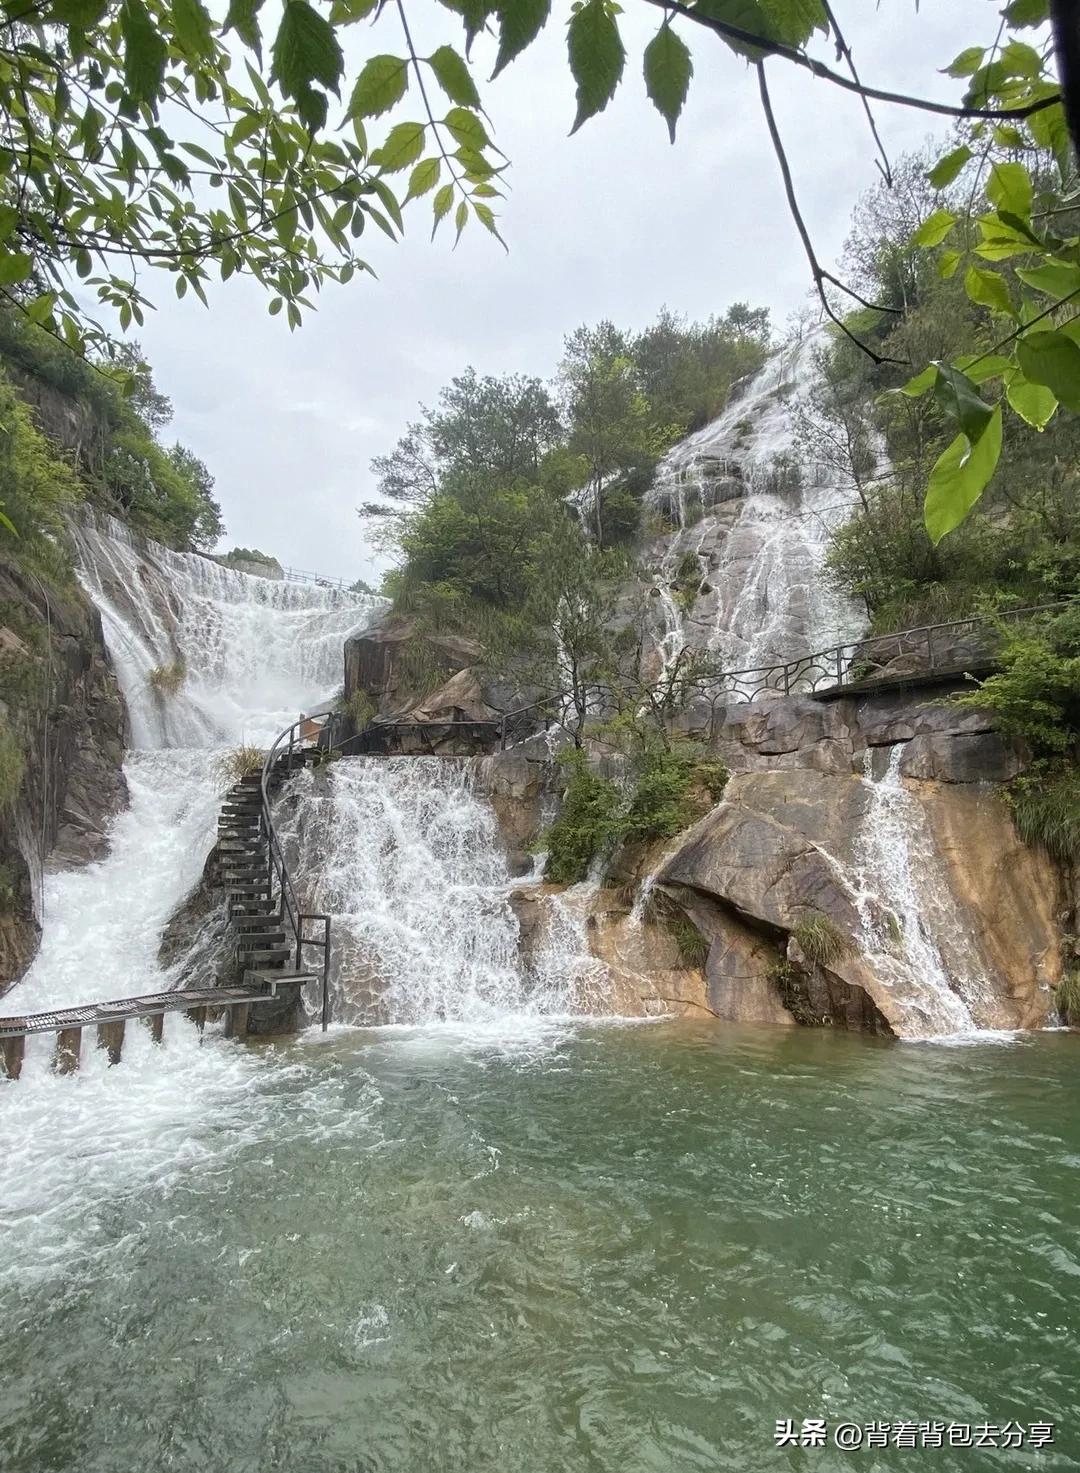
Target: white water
{"type": "Point", "coordinates": [404, 854]}
{"type": "Point", "coordinates": [257, 653]}
{"type": "Point", "coordinates": [913, 931]}
{"type": "Point", "coordinates": [756, 519]}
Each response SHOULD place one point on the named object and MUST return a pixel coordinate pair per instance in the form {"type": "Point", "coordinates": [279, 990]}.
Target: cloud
{"type": "Point", "coordinates": [614, 222]}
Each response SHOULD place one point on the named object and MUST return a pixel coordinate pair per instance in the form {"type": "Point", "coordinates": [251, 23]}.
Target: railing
{"type": "Point", "coordinates": [298, 736]}
{"type": "Point", "coordinates": [858, 664]}
{"type": "Point", "coordinates": [865, 661]}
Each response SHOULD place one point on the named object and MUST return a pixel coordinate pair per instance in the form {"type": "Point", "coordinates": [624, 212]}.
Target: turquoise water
{"type": "Point", "coordinates": [627, 1249]}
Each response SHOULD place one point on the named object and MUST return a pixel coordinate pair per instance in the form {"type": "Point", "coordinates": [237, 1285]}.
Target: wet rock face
{"type": "Point", "coordinates": [787, 846]}
{"type": "Point", "coordinates": [60, 699]}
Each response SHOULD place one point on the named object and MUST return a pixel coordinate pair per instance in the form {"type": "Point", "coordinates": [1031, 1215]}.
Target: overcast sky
{"type": "Point", "coordinates": [614, 222]}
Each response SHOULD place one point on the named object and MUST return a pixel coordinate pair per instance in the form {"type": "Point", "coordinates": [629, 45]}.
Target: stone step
{"type": "Point", "coordinates": [251, 918]}
{"type": "Point", "coordinates": [266, 953]}
{"type": "Point", "coordinates": [269, 977]}
{"type": "Point", "coordinates": [255, 892]}
{"type": "Point", "coordinates": [246, 831]}
{"type": "Point", "coordinates": [261, 938]}
{"type": "Point", "coordinates": [240, 848]}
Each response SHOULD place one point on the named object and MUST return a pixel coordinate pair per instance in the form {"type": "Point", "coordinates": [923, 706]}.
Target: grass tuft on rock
{"type": "Point", "coordinates": [1068, 997]}
{"type": "Point", "coordinates": [821, 940]}
{"type": "Point", "coordinates": [167, 679]}
{"type": "Point", "coordinates": [241, 762]}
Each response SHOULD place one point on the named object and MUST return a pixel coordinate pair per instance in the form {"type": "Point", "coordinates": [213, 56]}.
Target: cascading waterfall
{"type": "Point", "coordinates": [250, 653]}
{"type": "Point", "coordinates": [755, 519]}
{"type": "Point", "coordinates": [404, 854]}
{"type": "Point", "coordinates": [913, 930]}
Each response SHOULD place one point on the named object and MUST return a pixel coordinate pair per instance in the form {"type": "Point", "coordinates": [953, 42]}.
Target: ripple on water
{"type": "Point", "coordinates": [631, 1251]}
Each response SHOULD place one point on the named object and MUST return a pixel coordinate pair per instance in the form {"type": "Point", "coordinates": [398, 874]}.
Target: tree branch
{"type": "Point", "coordinates": [844, 50]}
{"type": "Point", "coordinates": [820, 276]}
{"type": "Point", "coordinates": [820, 70]}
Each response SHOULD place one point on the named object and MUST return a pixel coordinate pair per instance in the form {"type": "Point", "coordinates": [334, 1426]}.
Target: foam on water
{"type": "Point", "coordinates": [256, 654]}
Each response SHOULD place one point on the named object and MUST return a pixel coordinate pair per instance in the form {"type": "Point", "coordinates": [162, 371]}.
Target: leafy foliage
{"type": "Point", "coordinates": [587, 823]}
{"type": "Point", "coordinates": [1046, 808]}
{"type": "Point", "coordinates": [117, 459]}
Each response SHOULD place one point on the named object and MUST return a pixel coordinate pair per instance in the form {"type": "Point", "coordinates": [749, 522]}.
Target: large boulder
{"type": "Point", "coordinates": [971, 940]}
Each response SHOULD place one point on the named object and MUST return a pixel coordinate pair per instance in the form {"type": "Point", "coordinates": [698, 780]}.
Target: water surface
{"type": "Point", "coordinates": [605, 1248]}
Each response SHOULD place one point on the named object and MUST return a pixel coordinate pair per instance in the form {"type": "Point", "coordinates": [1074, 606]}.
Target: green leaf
{"type": "Point", "coordinates": [466, 128]}
{"type": "Point", "coordinates": [14, 267]}
{"type": "Point", "coordinates": [453, 77]}
{"type": "Point", "coordinates": [980, 367]}
{"type": "Point", "coordinates": [947, 263]}
{"type": "Point", "coordinates": [403, 146]}
{"type": "Point", "coordinates": [921, 384]}
{"type": "Point", "coordinates": [424, 177]}
{"type": "Point", "coordinates": [347, 12]}
{"type": "Point", "coordinates": [794, 21]}
{"type": "Point", "coordinates": [144, 52]}
{"type": "Point", "coordinates": [1000, 240]}
{"type": "Point", "coordinates": [461, 219]}
{"type": "Point", "coordinates": [668, 69]}
{"type": "Point", "coordinates": [1021, 60]}
{"type": "Point", "coordinates": [520, 22]}
{"type": "Point", "coordinates": [947, 168]}
{"type": "Point", "coordinates": [1058, 279]}
{"type": "Point", "coordinates": [381, 83]}
{"type": "Point", "coordinates": [9, 218]}
{"type": "Point", "coordinates": [960, 399]}
{"type": "Point", "coordinates": [442, 205]}
{"type": "Point", "coordinates": [988, 289]}
{"type": "Point", "coordinates": [1027, 12]}
{"type": "Point", "coordinates": [967, 63]}
{"type": "Point", "coordinates": [486, 216]}
{"type": "Point", "coordinates": [1034, 403]}
{"type": "Point", "coordinates": [305, 50]}
{"type": "Point", "coordinates": [82, 15]}
{"type": "Point", "coordinates": [40, 310]}
{"type": "Point", "coordinates": [1052, 359]}
{"type": "Point", "coordinates": [191, 26]}
{"type": "Point", "coordinates": [242, 18]}
{"type": "Point", "coordinates": [597, 57]}
{"type": "Point", "coordinates": [1009, 188]}
{"type": "Point", "coordinates": [959, 478]}
{"type": "Point", "coordinates": [934, 229]}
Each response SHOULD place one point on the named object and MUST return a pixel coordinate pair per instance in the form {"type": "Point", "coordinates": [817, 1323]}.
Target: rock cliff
{"type": "Point", "coordinates": [61, 705]}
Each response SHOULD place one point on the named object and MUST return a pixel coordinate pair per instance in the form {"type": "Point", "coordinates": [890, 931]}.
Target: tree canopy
{"type": "Point", "coordinates": [152, 133]}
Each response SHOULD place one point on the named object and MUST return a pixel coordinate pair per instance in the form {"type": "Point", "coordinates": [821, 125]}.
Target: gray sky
{"type": "Point", "coordinates": [614, 222]}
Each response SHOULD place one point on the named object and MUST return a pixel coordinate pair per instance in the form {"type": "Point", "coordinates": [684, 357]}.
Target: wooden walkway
{"type": "Point", "coordinates": [110, 1018]}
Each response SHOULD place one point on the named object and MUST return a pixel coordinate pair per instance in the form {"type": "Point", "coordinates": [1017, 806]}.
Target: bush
{"type": "Point", "coordinates": [821, 940]}
{"type": "Point", "coordinates": [1046, 808]}
{"type": "Point", "coordinates": [588, 822]}
{"type": "Point", "coordinates": [1036, 693]}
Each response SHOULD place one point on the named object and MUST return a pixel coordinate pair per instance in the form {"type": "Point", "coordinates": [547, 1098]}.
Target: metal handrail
{"type": "Point", "coordinates": [814, 672]}
{"type": "Point", "coordinates": [279, 870]}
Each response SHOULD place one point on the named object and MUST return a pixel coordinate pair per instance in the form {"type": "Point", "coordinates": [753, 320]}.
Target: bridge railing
{"type": "Point", "coordinates": [928, 649]}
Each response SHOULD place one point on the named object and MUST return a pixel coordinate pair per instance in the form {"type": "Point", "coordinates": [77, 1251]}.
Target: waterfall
{"type": "Point", "coordinates": [755, 519]}
{"type": "Point", "coordinates": [404, 854]}
{"type": "Point", "coordinates": [251, 654]}
{"type": "Point", "coordinates": [913, 930]}
{"type": "Point", "coordinates": [248, 651]}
